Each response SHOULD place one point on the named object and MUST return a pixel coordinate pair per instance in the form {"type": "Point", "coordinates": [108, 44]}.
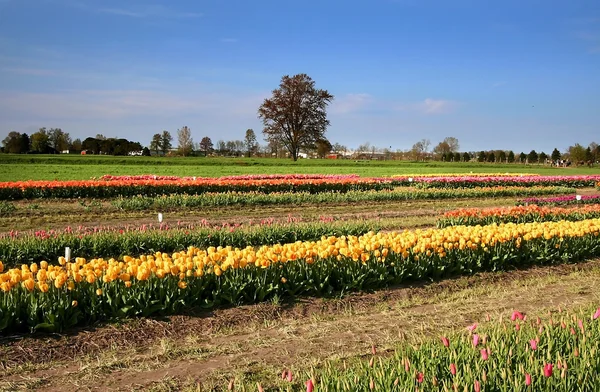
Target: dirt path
{"type": "Point", "coordinates": [257, 341]}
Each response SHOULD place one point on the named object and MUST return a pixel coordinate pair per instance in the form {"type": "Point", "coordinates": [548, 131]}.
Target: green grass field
{"type": "Point", "coordinates": [61, 167]}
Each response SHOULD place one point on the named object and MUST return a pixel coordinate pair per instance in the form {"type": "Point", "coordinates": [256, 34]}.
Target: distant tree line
{"type": "Point", "coordinates": [56, 141]}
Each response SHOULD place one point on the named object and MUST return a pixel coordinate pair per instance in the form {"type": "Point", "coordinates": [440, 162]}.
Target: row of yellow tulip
{"type": "Point", "coordinates": [167, 282]}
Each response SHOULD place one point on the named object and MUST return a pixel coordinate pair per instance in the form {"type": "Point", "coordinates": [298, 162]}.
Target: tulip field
{"type": "Point", "coordinates": [153, 263]}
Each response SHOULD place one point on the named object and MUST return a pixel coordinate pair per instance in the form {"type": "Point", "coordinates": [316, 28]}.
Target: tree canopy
{"type": "Point", "coordinates": [296, 114]}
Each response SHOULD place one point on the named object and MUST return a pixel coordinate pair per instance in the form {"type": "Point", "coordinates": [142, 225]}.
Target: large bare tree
{"type": "Point", "coordinates": [250, 142]}
{"type": "Point", "coordinates": [186, 143]}
{"type": "Point", "coordinates": [296, 114]}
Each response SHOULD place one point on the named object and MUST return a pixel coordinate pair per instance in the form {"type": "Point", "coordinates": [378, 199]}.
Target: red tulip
{"type": "Point", "coordinates": [445, 342]}
{"type": "Point", "coordinates": [484, 354]}
{"type": "Point", "coordinates": [527, 379]}
{"type": "Point", "coordinates": [420, 377]}
{"type": "Point", "coordinates": [533, 344]}
{"type": "Point", "coordinates": [548, 370]}
{"type": "Point", "coordinates": [477, 386]}
{"type": "Point", "coordinates": [453, 369]}
{"type": "Point", "coordinates": [309, 385]}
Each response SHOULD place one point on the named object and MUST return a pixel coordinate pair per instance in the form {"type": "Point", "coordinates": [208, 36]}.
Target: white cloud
{"type": "Point", "coordinates": [350, 103]}
{"type": "Point", "coordinates": [430, 106]}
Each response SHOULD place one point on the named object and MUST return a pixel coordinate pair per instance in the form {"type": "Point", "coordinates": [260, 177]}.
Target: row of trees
{"type": "Point", "coordinates": [42, 142]}
{"type": "Point", "coordinates": [55, 141]}
{"type": "Point", "coordinates": [162, 144]}
{"type": "Point", "coordinates": [447, 150]}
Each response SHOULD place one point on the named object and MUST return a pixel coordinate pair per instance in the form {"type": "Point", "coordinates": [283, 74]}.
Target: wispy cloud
{"type": "Point", "coordinates": [584, 21]}
{"type": "Point", "coordinates": [122, 104]}
{"type": "Point", "coordinates": [29, 71]}
{"type": "Point", "coordinates": [589, 32]}
{"type": "Point", "coordinates": [150, 11]}
{"type": "Point", "coordinates": [430, 106]}
{"type": "Point", "coordinates": [350, 103]}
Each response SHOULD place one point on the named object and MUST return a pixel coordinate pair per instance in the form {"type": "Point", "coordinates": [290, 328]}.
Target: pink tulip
{"type": "Point", "coordinates": [373, 349]}
{"type": "Point", "coordinates": [527, 379]}
{"type": "Point", "coordinates": [517, 326]}
{"type": "Point", "coordinates": [475, 340]}
{"type": "Point", "coordinates": [445, 342]}
{"type": "Point", "coordinates": [420, 377]}
{"type": "Point", "coordinates": [533, 344]}
{"type": "Point", "coordinates": [453, 369]}
{"type": "Point", "coordinates": [477, 386]}
{"type": "Point", "coordinates": [597, 314]}
{"type": "Point", "coordinates": [548, 370]}
{"type": "Point", "coordinates": [516, 315]}
{"type": "Point", "coordinates": [580, 324]}
{"type": "Point", "coordinates": [484, 354]}
{"type": "Point", "coordinates": [309, 385]}
{"type": "Point", "coordinates": [290, 377]}
{"type": "Point", "coordinates": [260, 388]}
{"type": "Point", "coordinates": [472, 328]}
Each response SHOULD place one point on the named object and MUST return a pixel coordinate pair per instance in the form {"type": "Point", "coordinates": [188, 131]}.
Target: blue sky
{"type": "Point", "coordinates": [507, 74]}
